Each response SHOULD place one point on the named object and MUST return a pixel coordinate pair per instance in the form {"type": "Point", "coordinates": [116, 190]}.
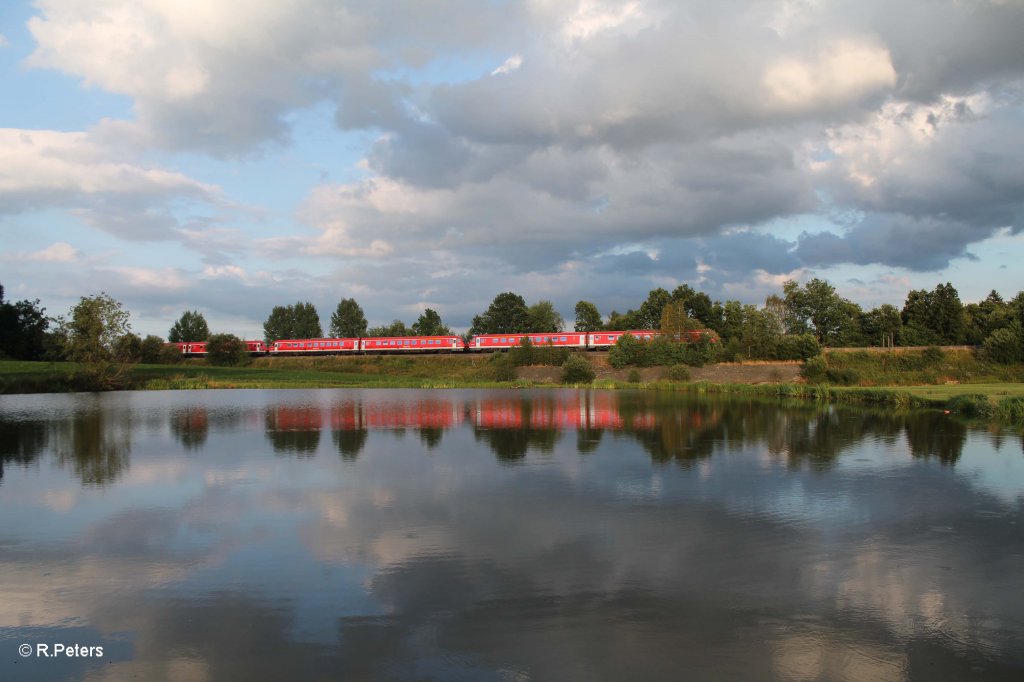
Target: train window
{"type": "Point", "coordinates": [563, 338]}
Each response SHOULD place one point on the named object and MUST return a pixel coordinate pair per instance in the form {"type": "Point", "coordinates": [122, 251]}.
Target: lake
{"type": "Point", "coordinates": [503, 535]}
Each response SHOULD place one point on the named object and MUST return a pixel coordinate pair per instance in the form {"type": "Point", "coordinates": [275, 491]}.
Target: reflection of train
{"type": "Point", "coordinates": [574, 411]}
{"type": "Point", "coordinates": [440, 344]}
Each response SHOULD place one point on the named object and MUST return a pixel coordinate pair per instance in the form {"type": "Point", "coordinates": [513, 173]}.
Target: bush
{"type": "Point", "coordinates": [169, 355]}
{"type": "Point", "coordinates": [976, 405]}
{"type": "Point", "coordinates": [577, 370]}
{"type": "Point", "coordinates": [502, 368]}
{"type": "Point", "coordinates": [1005, 346]}
{"type": "Point", "coordinates": [933, 355]}
{"type": "Point", "coordinates": [226, 350]}
{"type": "Point", "coordinates": [634, 376]}
{"type": "Point", "coordinates": [842, 377]}
{"type": "Point", "coordinates": [814, 370]}
{"type": "Point", "coordinates": [150, 349]}
{"type": "Point", "coordinates": [678, 373]}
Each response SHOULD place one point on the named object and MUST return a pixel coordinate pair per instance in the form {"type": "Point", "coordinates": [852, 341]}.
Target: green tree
{"type": "Point", "coordinates": [23, 327]}
{"type": "Point", "coordinates": [816, 307]}
{"type": "Point", "coordinates": [588, 318]}
{"type": "Point", "coordinates": [307, 321]}
{"type": "Point", "coordinates": [395, 328]}
{"type": "Point", "coordinates": [226, 350]}
{"type": "Point", "coordinates": [348, 320]}
{"type": "Point", "coordinates": [128, 348]}
{"type": "Point", "coordinates": [544, 318]}
{"type": "Point", "coordinates": [91, 335]}
{"type": "Point", "coordinates": [191, 326]}
{"type": "Point", "coordinates": [149, 351]}
{"type": "Point", "coordinates": [675, 322]}
{"type": "Point", "coordinates": [934, 317]}
{"type": "Point", "coordinates": [882, 325]}
{"type": "Point", "coordinates": [651, 309]}
{"type": "Point", "coordinates": [430, 324]}
{"type": "Point", "coordinates": [298, 321]}
{"type": "Point", "coordinates": [507, 314]}
{"type": "Point", "coordinates": [1005, 345]}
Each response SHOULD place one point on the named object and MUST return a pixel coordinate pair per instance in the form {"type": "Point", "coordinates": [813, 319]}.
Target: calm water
{"type": "Point", "coordinates": [503, 535]}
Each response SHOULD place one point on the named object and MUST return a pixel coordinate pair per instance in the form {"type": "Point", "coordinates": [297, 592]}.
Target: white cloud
{"type": "Point", "coordinates": [61, 252]}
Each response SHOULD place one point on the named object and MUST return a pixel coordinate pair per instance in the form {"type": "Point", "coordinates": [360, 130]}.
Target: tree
{"type": "Point", "coordinates": [651, 309]}
{"type": "Point", "coordinates": [128, 348]}
{"type": "Point", "coordinates": [816, 307]}
{"type": "Point", "coordinates": [934, 317]}
{"type": "Point", "coordinates": [226, 350]}
{"type": "Point", "coordinates": [430, 324]}
{"type": "Point", "coordinates": [299, 321]}
{"type": "Point", "coordinates": [91, 335]}
{"type": "Point", "coordinates": [348, 321]}
{"type": "Point", "coordinates": [23, 328]}
{"type": "Point", "coordinates": [191, 326]}
{"type": "Point", "coordinates": [544, 318]}
{"type": "Point", "coordinates": [588, 318]}
{"type": "Point", "coordinates": [150, 349]}
{"type": "Point", "coordinates": [307, 321]}
{"type": "Point", "coordinates": [507, 314]}
{"type": "Point", "coordinates": [395, 328]}
{"type": "Point", "coordinates": [675, 322]}
{"type": "Point", "coordinates": [882, 325]}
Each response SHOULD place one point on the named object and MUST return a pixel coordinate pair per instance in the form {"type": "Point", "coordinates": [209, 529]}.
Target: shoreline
{"type": "Point", "coordinates": [997, 401]}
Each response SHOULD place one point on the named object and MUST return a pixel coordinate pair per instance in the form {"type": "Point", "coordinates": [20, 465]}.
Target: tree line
{"type": "Point", "coordinates": [792, 324]}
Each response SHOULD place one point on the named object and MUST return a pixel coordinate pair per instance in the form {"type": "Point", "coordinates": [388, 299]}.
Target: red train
{"type": "Point", "coordinates": [439, 344]}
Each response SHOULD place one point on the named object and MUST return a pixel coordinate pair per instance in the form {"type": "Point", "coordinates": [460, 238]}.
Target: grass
{"type": "Point", "coordinates": [990, 391]}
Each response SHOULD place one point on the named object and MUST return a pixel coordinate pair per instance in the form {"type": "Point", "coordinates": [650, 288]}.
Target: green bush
{"type": "Point", "coordinates": [226, 350]}
{"type": "Point", "coordinates": [501, 367]}
{"type": "Point", "coordinates": [169, 355]}
{"type": "Point", "coordinates": [814, 370]}
{"type": "Point", "coordinates": [150, 349]}
{"type": "Point", "coordinates": [842, 377]}
{"type": "Point", "coordinates": [678, 373]}
{"type": "Point", "coordinates": [1005, 346]}
{"type": "Point", "coordinates": [975, 405]}
{"type": "Point", "coordinates": [634, 376]}
{"type": "Point", "coordinates": [933, 355]}
{"type": "Point", "coordinates": [577, 370]}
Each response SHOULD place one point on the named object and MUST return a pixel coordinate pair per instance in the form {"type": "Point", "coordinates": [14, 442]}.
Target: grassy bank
{"type": "Point", "coordinates": [999, 393]}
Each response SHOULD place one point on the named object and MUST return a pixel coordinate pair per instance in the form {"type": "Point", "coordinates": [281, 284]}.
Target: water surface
{"type": "Point", "coordinates": [504, 535]}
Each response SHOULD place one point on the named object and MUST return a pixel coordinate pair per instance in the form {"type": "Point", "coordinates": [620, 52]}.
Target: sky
{"type": "Point", "coordinates": [228, 156]}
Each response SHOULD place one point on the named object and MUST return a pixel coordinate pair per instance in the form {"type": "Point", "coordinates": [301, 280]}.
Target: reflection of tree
{"type": "Point", "coordinates": [935, 435]}
{"type": "Point", "coordinates": [431, 436]}
{"type": "Point", "coordinates": [511, 445]}
{"type": "Point", "coordinates": [294, 430]}
{"type": "Point", "coordinates": [587, 439]}
{"type": "Point", "coordinates": [95, 445]}
{"type": "Point", "coordinates": [349, 442]}
{"type": "Point", "coordinates": [21, 442]}
{"type": "Point", "coordinates": [190, 426]}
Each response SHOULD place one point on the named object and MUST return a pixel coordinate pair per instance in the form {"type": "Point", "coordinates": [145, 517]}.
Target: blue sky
{"type": "Point", "coordinates": [230, 156]}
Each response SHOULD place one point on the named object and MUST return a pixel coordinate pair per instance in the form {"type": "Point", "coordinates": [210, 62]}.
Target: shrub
{"type": "Point", "coordinates": [678, 373]}
{"type": "Point", "coordinates": [502, 368]}
{"type": "Point", "coordinates": [933, 355]}
{"type": "Point", "coordinates": [150, 349]}
{"type": "Point", "coordinates": [814, 370]}
{"type": "Point", "coordinates": [1006, 345]}
{"type": "Point", "coordinates": [976, 405]}
{"type": "Point", "coordinates": [577, 370]}
{"type": "Point", "coordinates": [842, 377]}
{"type": "Point", "coordinates": [169, 355]}
{"type": "Point", "coordinates": [226, 350]}
{"type": "Point", "coordinates": [634, 376]}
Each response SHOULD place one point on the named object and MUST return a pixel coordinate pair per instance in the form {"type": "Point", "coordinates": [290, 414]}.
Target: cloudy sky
{"type": "Point", "coordinates": [231, 155]}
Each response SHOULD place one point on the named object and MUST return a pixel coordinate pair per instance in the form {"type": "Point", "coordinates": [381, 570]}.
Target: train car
{"type": "Point", "coordinates": [194, 348]}
{"type": "Point", "coordinates": [604, 340]}
{"type": "Point", "coordinates": [313, 346]}
{"type": "Point", "coordinates": [412, 344]}
{"type": "Point", "coordinates": [256, 347]}
{"type": "Point", "coordinates": [492, 342]}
